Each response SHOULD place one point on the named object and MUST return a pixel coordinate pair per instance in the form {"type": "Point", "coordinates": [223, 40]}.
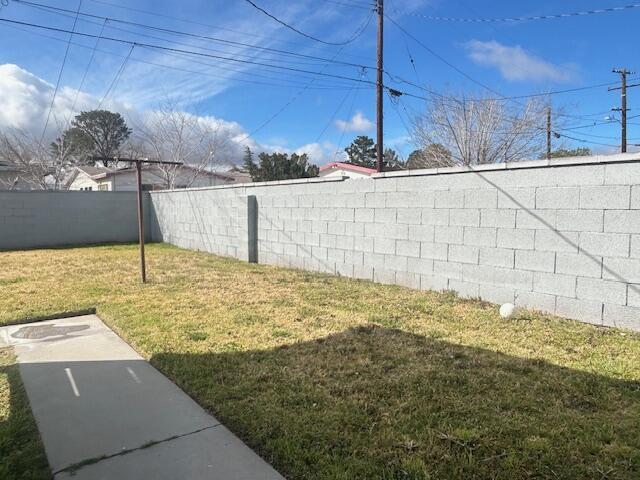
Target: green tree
{"type": "Point", "coordinates": [362, 152]}
{"type": "Point", "coordinates": [73, 145]}
{"type": "Point", "coordinates": [392, 160]}
{"type": "Point", "coordinates": [249, 164]}
{"type": "Point", "coordinates": [279, 166]}
{"type": "Point", "coordinates": [104, 131]}
{"type": "Point", "coordinates": [575, 152]}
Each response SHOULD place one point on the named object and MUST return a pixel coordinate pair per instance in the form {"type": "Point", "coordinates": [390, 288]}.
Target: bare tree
{"type": "Point", "coordinates": [481, 130]}
{"type": "Point", "coordinates": [171, 134]}
{"type": "Point", "coordinates": [41, 166]}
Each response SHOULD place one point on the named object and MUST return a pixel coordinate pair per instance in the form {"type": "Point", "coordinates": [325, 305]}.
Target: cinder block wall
{"type": "Point", "coordinates": [31, 219]}
{"type": "Point", "coordinates": [560, 236]}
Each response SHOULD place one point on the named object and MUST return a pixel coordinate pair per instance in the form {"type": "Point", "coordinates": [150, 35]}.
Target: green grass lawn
{"type": "Point", "coordinates": [21, 453]}
{"type": "Point", "coordinates": [331, 378]}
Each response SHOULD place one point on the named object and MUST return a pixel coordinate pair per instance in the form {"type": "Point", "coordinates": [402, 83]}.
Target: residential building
{"type": "Point", "coordinates": [343, 169]}
{"type": "Point", "coordinates": [153, 178]}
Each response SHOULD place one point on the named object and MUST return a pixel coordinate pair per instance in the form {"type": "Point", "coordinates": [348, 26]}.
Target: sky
{"type": "Point", "coordinates": [318, 99]}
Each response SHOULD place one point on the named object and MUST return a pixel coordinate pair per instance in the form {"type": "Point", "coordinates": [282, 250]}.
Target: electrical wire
{"type": "Point", "coordinates": [527, 18]}
{"type": "Point", "coordinates": [86, 71]}
{"type": "Point", "coordinates": [193, 35]}
{"type": "Point", "coordinates": [198, 72]}
{"type": "Point", "coordinates": [300, 32]}
{"type": "Point", "coordinates": [193, 22]}
{"type": "Point", "coordinates": [64, 62]}
{"type": "Point", "coordinates": [116, 78]}
{"type": "Point", "coordinates": [188, 52]}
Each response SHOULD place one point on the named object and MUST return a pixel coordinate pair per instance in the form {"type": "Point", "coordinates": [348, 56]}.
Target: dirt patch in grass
{"type": "Point", "coordinates": [332, 378]}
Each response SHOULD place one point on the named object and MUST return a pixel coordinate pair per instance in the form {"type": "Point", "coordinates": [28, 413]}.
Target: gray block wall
{"type": "Point", "coordinates": [558, 236]}
{"type": "Point", "coordinates": [32, 219]}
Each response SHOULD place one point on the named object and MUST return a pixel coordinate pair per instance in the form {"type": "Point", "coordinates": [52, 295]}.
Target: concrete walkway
{"type": "Point", "coordinates": [105, 413]}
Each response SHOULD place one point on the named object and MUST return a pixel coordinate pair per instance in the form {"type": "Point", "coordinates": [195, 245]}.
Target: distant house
{"type": "Point", "coordinates": [12, 178]}
{"type": "Point", "coordinates": [343, 169]}
{"type": "Point", "coordinates": [153, 178]}
{"type": "Point", "coordinates": [239, 175]}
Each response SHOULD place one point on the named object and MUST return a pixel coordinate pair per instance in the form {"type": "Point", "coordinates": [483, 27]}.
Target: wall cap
{"type": "Point", "coordinates": [554, 162]}
{"type": "Point", "coordinates": [298, 181]}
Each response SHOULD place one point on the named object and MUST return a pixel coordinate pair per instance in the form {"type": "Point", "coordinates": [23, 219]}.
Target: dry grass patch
{"type": "Point", "coordinates": [331, 378]}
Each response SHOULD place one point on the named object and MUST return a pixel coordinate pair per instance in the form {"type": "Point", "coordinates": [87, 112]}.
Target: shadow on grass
{"type": "Point", "coordinates": [378, 403]}
{"type": "Point", "coordinates": [22, 455]}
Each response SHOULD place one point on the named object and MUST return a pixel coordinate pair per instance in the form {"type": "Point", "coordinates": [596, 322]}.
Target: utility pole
{"type": "Point", "coordinates": [380, 91]}
{"type": "Point", "coordinates": [548, 132]}
{"type": "Point", "coordinates": [623, 72]}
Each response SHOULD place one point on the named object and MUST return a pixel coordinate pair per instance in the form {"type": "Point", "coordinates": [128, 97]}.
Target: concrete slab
{"type": "Point", "coordinates": [213, 454]}
{"type": "Point", "coordinates": [93, 396]}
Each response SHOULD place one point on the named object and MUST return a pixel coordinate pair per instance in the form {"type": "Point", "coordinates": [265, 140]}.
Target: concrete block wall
{"type": "Point", "coordinates": [32, 219]}
{"type": "Point", "coordinates": [558, 236]}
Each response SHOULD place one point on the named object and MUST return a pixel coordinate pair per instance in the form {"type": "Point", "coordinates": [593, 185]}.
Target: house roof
{"type": "Point", "coordinates": [98, 173]}
{"type": "Point", "coordinates": [92, 171]}
{"type": "Point", "coordinates": [348, 166]}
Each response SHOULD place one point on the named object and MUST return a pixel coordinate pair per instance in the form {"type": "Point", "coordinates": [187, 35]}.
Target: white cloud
{"type": "Point", "coordinates": [358, 123]}
{"type": "Point", "coordinates": [26, 99]}
{"type": "Point", "coordinates": [516, 64]}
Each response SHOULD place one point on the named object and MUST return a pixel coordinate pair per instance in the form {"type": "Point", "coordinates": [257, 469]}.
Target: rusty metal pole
{"type": "Point", "coordinates": [143, 272]}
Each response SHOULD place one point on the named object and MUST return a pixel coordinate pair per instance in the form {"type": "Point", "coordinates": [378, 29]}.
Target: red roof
{"type": "Point", "coordinates": [348, 166]}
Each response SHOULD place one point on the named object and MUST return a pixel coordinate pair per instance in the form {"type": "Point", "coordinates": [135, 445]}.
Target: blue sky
{"type": "Point", "coordinates": [316, 113]}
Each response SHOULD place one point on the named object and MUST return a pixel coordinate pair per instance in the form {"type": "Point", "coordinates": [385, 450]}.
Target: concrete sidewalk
{"type": "Point", "coordinates": [105, 413]}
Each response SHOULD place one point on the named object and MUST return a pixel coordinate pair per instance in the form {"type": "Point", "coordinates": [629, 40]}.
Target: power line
{"type": "Point", "coordinates": [197, 72]}
{"type": "Point", "coordinates": [193, 22]}
{"type": "Point", "coordinates": [300, 32]}
{"type": "Point", "coordinates": [188, 52]}
{"type": "Point", "coordinates": [466, 75]}
{"type": "Point", "coordinates": [323, 59]}
{"type": "Point", "coordinates": [353, 102]}
{"type": "Point", "coordinates": [116, 78]}
{"type": "Point", "coordinates": [64, 62]}
{"type": "Point", "coordinates": [86, 70]}
{"type": "Point", "coordinates": [343, 3]}
{"type": "Point", "coordinates": [286, 105]}
{"type": "Point", "coordinates": [528, 18]}
{"type": "Point", "coordinates": [193, 35]}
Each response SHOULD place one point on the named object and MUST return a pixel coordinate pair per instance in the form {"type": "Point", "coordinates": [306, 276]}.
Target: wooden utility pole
{"type": "Point", "coordinates": [380, 90]}
{"type": "Point", "coordinates": [548, 132]}
{"type": "Point", "coordinates": [138, 162]}
{"type": "Point", "coordinates": [623, 72]}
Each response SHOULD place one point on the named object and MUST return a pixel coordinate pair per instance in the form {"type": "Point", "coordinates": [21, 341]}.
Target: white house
{"type": "Point", "coordinates": [342, 169]}
{"type": "Point", "coordinates": [153, 178]}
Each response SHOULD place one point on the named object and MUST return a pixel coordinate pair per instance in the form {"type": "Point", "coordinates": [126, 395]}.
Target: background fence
{"type": "Point", "coordinates": [559, 236]}
{"type": "Point", "coordinates": [31, 219]}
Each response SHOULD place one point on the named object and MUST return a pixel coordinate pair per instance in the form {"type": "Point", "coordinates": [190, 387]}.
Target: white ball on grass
{"type": "Point", "coordinates": [507, 310]}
